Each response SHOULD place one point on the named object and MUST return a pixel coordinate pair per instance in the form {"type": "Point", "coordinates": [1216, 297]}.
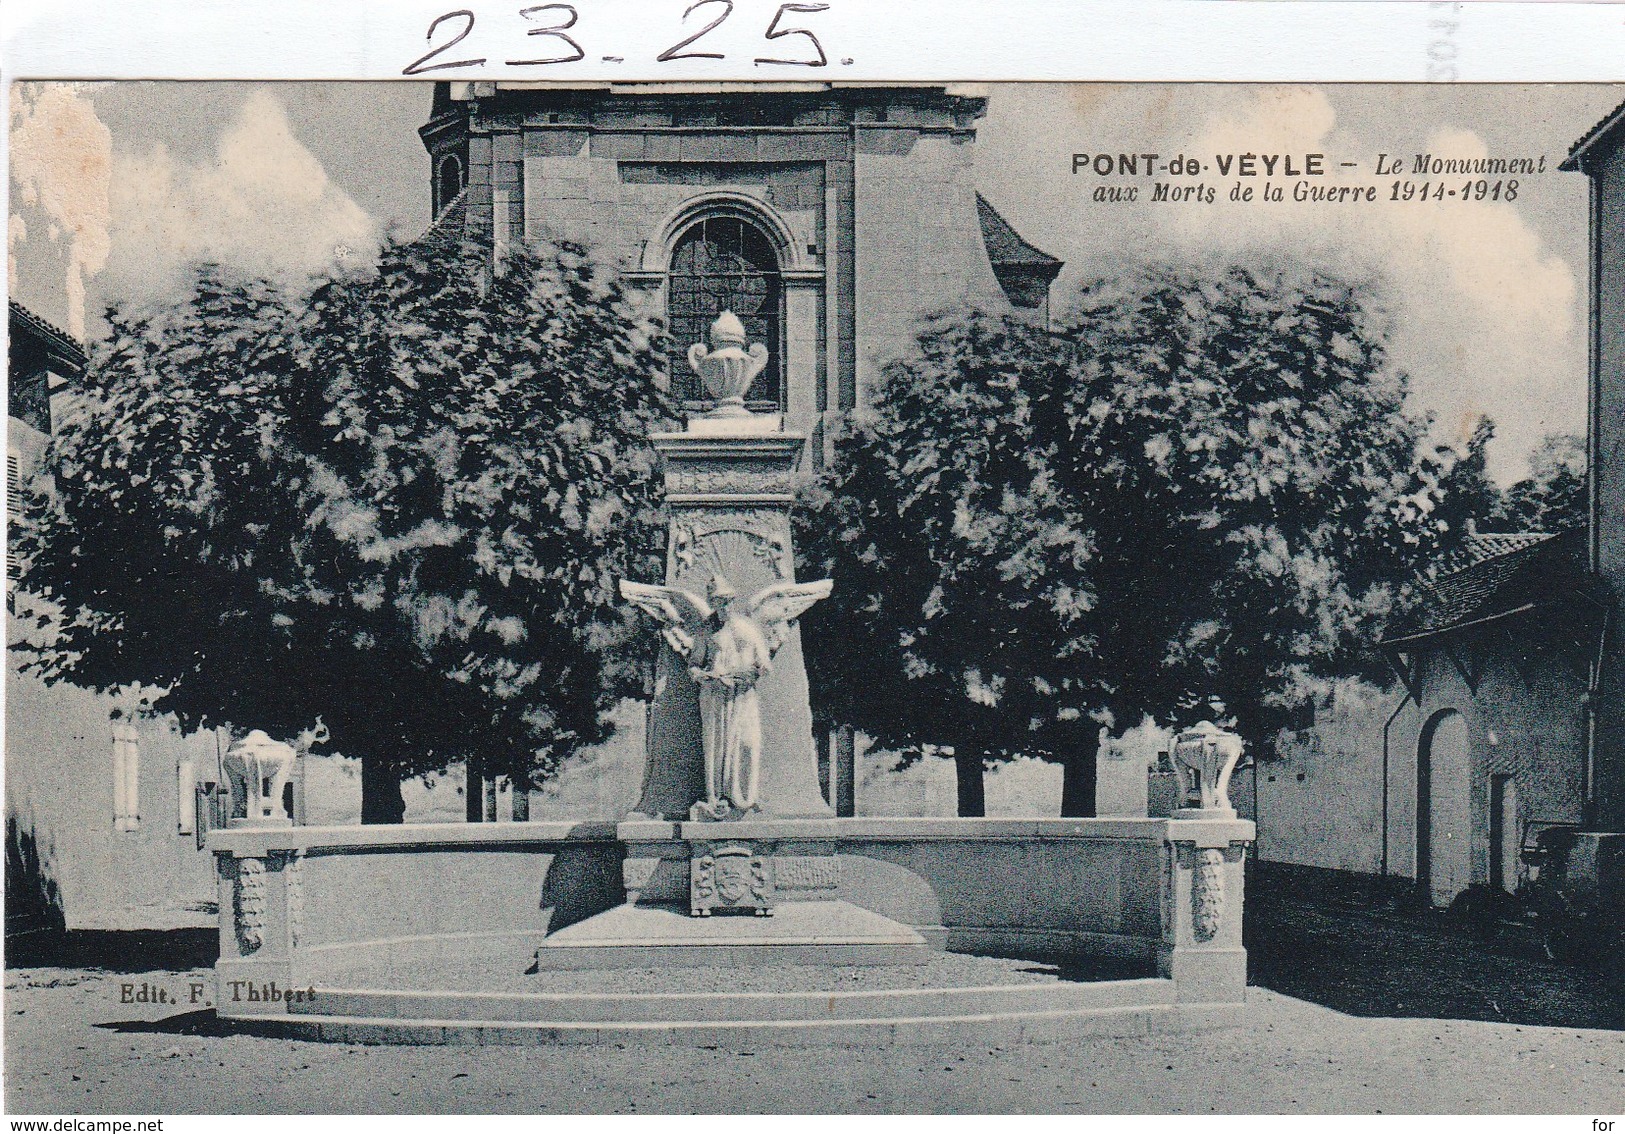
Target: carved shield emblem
{"type": "Point", "coordinates": [733, 874]}
{"type": "Point", "coordinates": [731, 878]}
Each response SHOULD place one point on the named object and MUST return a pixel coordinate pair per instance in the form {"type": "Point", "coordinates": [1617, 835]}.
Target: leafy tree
{"type": "Point", "coordinates": [1467, 498]}
{"type": "Point", "coordinates": [1552, 498]}
{"type": "Point", "coordinates": [398, 505]}
{"type": "Point", "coordinates": [1188, 501]}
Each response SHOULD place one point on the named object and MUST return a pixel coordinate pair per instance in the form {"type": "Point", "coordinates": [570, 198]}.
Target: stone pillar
{"type": "Point", "coordinates": [1203, 877]}
{"type": "Point", "coordinates": [729, 481]}
{"type": "Point", "coordinates": [1204, 873]}
{"type": "Point", "coordinates": [262, 902]}
{"type": "Point", "coordinates": [729, 494]}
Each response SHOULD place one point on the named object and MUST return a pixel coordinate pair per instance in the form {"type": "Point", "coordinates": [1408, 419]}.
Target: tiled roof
{"type": "Point", "coordinates": [448, 226]}
{"type": "Point", "coordinates": [50, 332]}
{"type": "Point", "coordinates": [1537, 571]}
{"type": "Point", "coordinates": [1004, 244]}
{"type": "Point", "coordinates": [1609, 124]}
{"type": "Point", "coordinates": [1480, 546]}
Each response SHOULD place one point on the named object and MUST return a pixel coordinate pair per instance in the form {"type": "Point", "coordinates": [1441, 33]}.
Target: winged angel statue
{"type": "Point", "coordinates": [729, 645]}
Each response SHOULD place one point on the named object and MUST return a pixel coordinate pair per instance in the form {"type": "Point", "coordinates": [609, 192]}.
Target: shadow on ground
{"type": "Point", "coordinates": [1356, 947]}
{"type": "Point", "coordinates": [1083, 969]}
{"type": "Point", "coordinates": [115, 951]}
{"type": "Point", "coordinates": [203, 1022]}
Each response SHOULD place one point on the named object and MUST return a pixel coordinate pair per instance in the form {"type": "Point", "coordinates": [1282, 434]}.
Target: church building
{"type": "Point", "coordinates": [830, 218]}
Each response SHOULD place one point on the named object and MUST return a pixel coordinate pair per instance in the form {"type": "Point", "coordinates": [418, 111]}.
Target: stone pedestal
{"type": "Point", "coordinates": [327, 924]}
{"type": "Point", "coordinates": [729, 490]}
{"type": "Point", "coordinates": [1203, 875]}
{"type": "Point", "coordinates": [1204, 870]}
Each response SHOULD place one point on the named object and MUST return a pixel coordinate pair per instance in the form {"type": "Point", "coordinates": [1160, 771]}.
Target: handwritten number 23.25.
{"type": "Point", "coordinates": [561, 17]}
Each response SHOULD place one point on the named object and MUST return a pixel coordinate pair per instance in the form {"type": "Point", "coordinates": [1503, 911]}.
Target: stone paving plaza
{"type": "Point", "coordinates": [1413, 1015]}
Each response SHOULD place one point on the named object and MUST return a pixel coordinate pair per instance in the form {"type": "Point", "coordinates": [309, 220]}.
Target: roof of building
{"type": "Point", "coordinates": [1512, 574]}
{"type": "Point", "coordinates": [1005, 246]}
{"type": "Point", "coordinates": [54, 336]}
{"type": "Point", "coordinates": [1601, 134]}
{"type": "Point", "coordinates": [448, 227]}
{"type": "Point", "coordinates": [1479, 546]}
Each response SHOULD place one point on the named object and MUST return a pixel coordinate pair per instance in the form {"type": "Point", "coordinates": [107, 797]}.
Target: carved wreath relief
{"type": "Point", "coordinates": [250, 903]}
{"type": "Point", "coordinates": [295, 886]}
{"type": "Point", "coordinates": [1207, 893]}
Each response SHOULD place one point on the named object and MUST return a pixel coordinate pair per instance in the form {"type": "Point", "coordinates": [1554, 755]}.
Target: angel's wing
{"type": "Point", "coordinates": [774, 607]}
{"type": "Point", "coordinates": [682, 613]}
{"type": "Point", "coordinates": [674, 606]}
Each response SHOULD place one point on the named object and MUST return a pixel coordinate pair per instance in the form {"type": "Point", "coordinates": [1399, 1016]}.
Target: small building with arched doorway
{"type": "Point", "coordinates": [1487, 748]}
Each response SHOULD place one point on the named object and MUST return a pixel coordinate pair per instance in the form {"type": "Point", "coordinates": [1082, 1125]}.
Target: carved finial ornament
{"type": "Point", "coordinates": [727, 369]}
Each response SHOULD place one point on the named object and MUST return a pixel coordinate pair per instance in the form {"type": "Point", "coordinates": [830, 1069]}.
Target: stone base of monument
{"type": "Point", "coordinates": [797, 933]}
{"type": "Point", "coordinates": [843, 931]}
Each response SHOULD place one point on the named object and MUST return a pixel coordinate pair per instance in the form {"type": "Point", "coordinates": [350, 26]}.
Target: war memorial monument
{"type": "Point", "coordinates": [733, 868]}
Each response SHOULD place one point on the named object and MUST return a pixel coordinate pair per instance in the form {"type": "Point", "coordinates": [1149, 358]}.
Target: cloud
{"type": "Point", "coordinates": [262, 205]}
{"type": "Point", "coordinates": [16, 235]}
{"type": "Point", "coordinates": [1488, 317]}
{"type": "Point", "coordinates": [61, 158]}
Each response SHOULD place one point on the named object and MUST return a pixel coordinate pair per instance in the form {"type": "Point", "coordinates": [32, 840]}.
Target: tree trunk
{"type": "Point", "coordinates": [1078, 783]}
{"type": "Point", "coordinates": [968, 771]}
{"type": "Point", "coordinates": [473, 793]}
{"type": "Point", "coordinates": [381, 799]}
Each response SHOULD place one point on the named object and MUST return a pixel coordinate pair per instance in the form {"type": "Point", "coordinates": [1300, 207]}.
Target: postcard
{"type": "Point", "coordinates": [802, 583]}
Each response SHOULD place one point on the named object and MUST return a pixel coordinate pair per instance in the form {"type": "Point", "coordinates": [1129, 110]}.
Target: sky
{"type": "Point", "coordinates": [117, 187]}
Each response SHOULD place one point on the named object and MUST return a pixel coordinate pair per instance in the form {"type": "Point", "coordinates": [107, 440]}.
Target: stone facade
{"type": "Point", "coordinates": [1478, 746]}
{"type": "Point", "coordinates": [1601, 156]}
{"type": "Point", "coordinates": [1511, 716]}
{"type": "Point", "coordinates": [864, 194]}
{"type": "Point", "coordinates": [1515, 742]}
{"type": "Point", "coordinates": [100, 812]}
{"type": "Point", "coordinates": [1599, 860]}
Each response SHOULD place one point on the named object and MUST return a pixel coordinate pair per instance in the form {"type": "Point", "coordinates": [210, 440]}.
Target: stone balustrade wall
{"type": "Point", "coordinates": [308, 905]}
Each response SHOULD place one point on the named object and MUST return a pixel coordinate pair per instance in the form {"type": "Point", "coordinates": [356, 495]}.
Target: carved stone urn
{"type": "Point", "coordinates": [728, 368]}
{"type": "Point", "coordinates": [1204, 757]}
{"type": "Point", "coordinates": [258, 767]}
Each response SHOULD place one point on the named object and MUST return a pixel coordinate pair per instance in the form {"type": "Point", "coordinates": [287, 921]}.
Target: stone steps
{"type": "Point", "coordinates": [703, 1007]}
{"type": "Point", "coordinates": [1027, 1014]}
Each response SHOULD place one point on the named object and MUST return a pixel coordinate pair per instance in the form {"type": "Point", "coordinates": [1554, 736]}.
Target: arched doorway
{"type": "Point", "coordinates": [1444, 866]}
{"type": "Point", "coordinates": [450, 182]}
{"type": "Point", "coordinates": [726, 263]}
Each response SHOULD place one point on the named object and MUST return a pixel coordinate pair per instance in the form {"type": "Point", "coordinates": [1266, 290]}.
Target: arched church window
{"type": "Point", "coordinates": [451, 180]}
{"type": "Point", "coordinates": [726, 263]}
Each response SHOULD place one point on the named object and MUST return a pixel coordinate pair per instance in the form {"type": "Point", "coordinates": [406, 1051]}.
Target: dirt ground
{"type": "Point", "coordinates": [1359, 1008]}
